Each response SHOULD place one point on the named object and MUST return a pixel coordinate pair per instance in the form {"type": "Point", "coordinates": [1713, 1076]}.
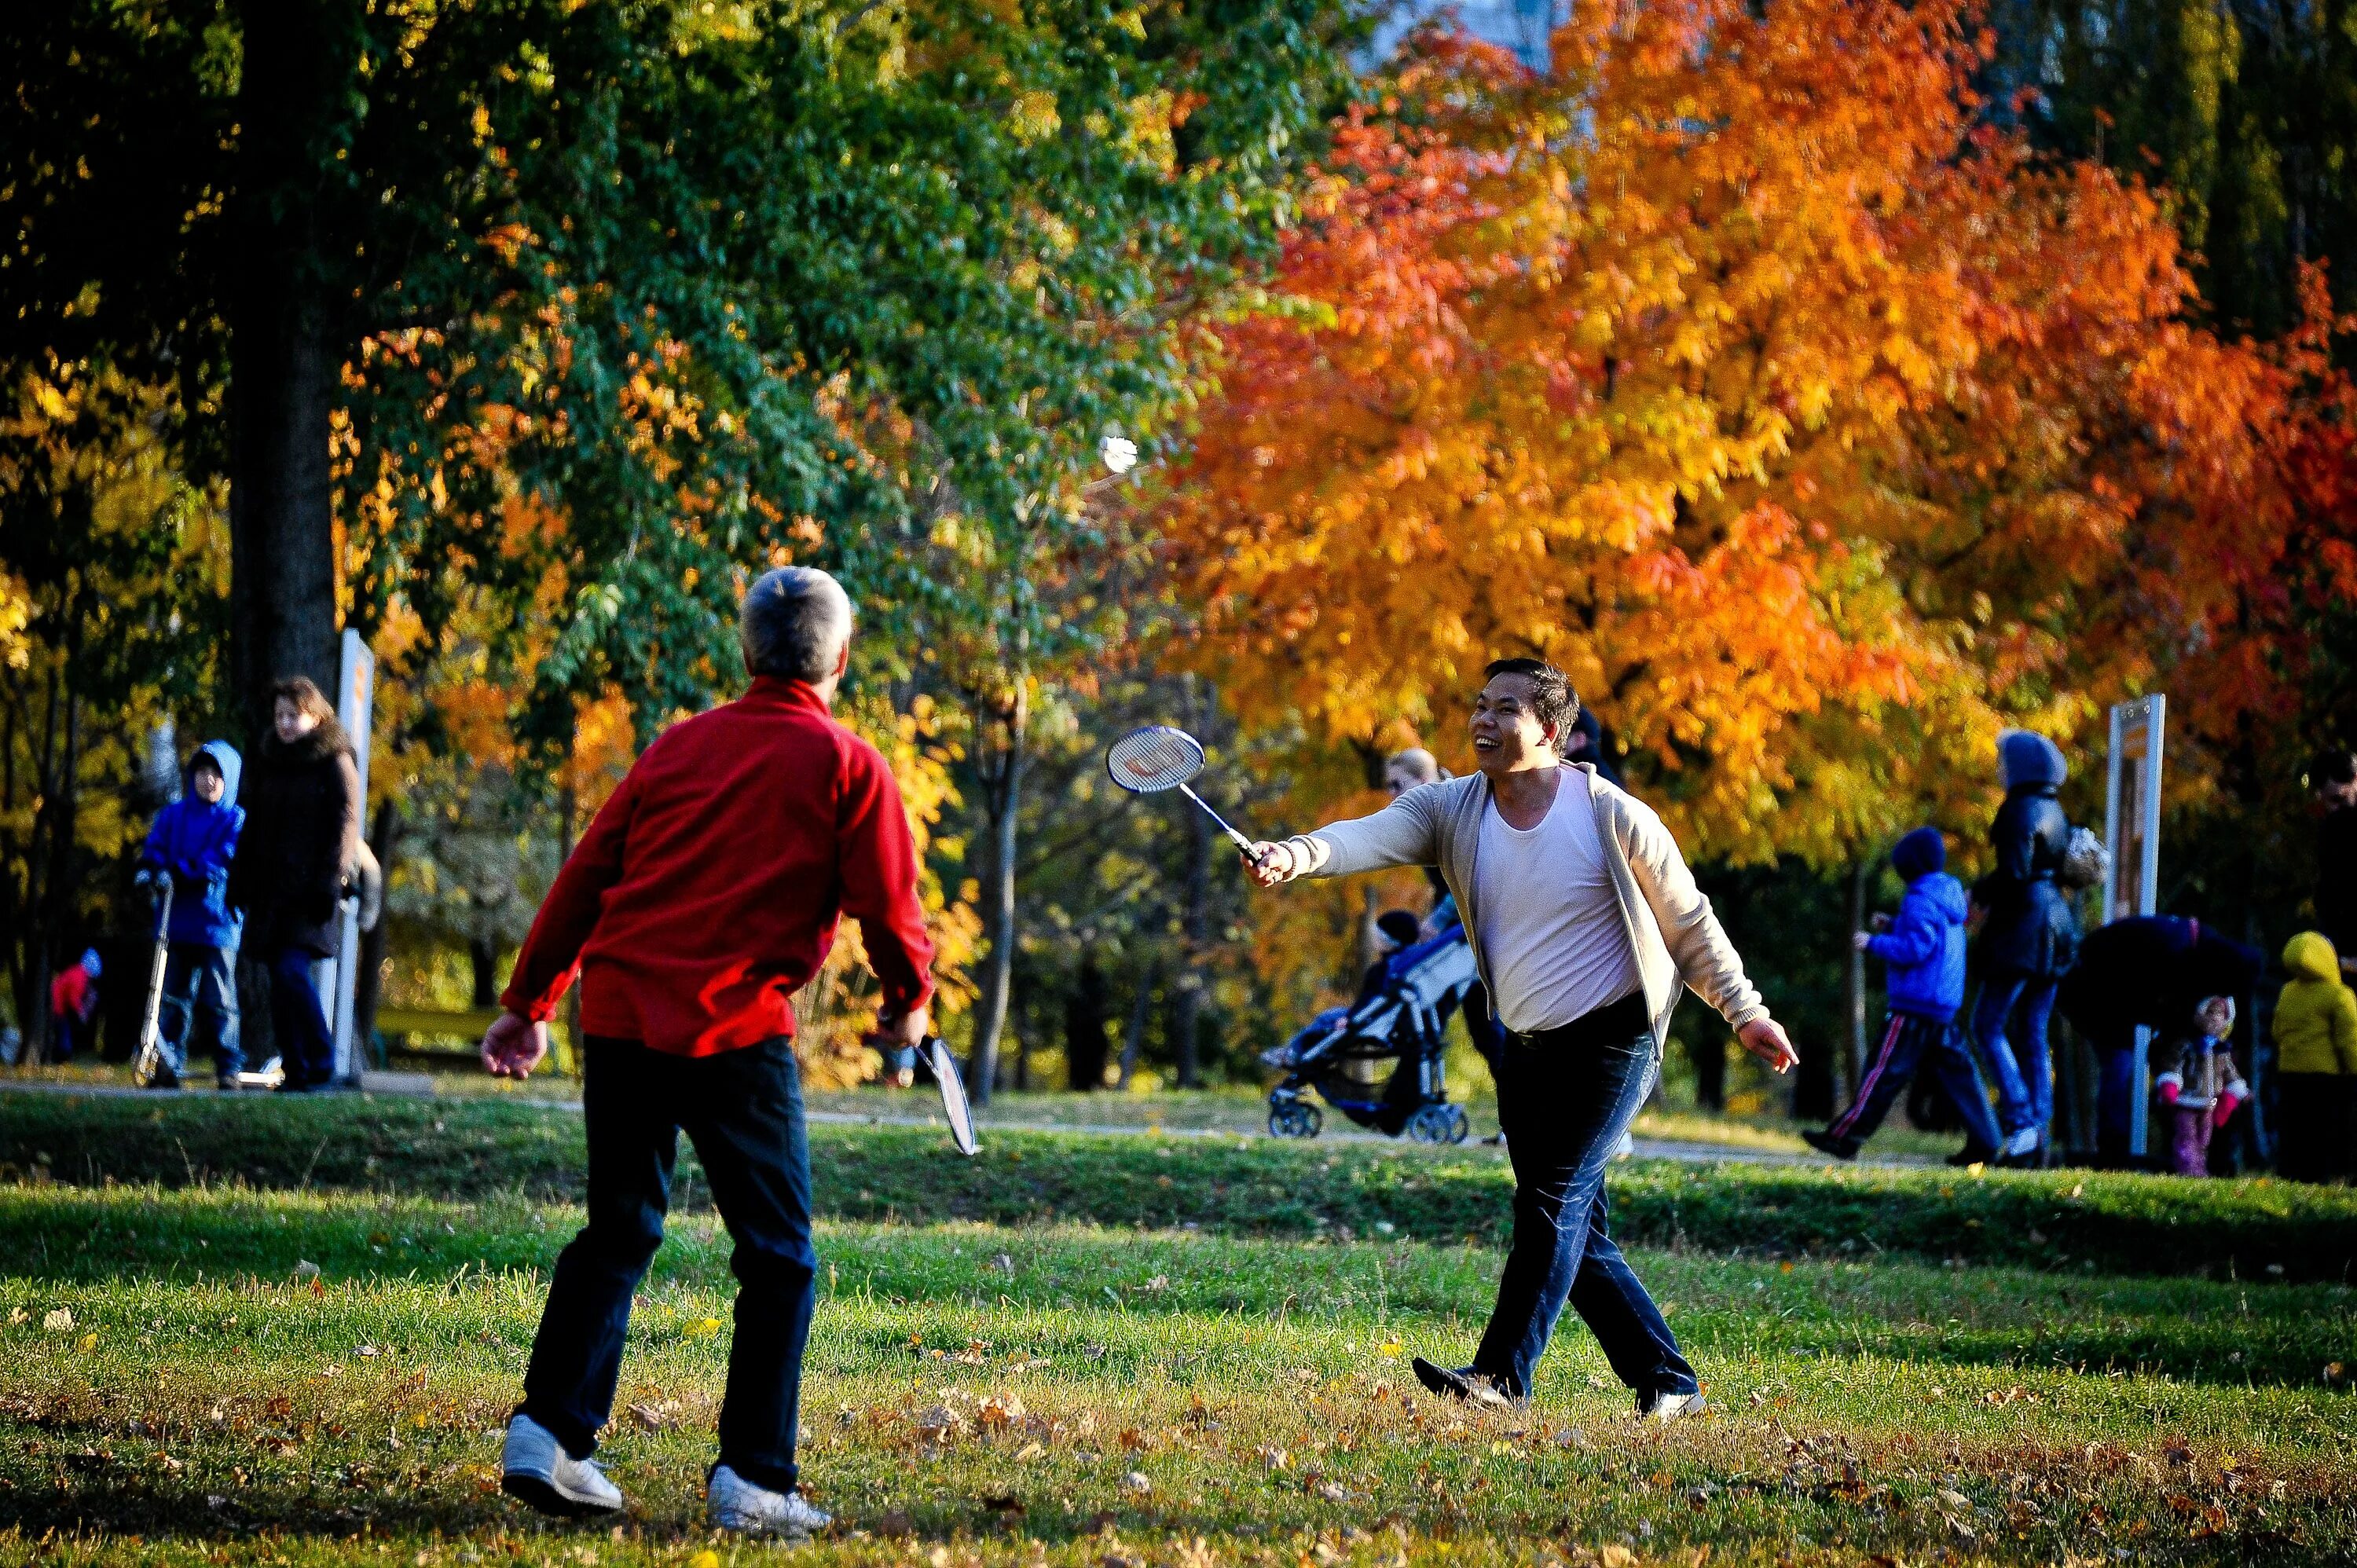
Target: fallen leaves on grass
{"type": "Point", "coordinates": [59, 1321]}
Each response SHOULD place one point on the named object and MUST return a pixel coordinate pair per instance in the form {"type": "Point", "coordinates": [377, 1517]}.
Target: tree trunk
{"type": "Point", "coordinates": [284, 353]}
{"type": "Point", "coordinates": [60, 808]}
{"type": "Point", "coordinates": [36, 901]}
{"type": "Point", "coordinates": [483, 957]}
{"type": "Point", "coordinates": [1003, 803]}
{"type": "Point", "coordinates": [1084, 1027]}
{"type": "Point", "coordinates": [1708, 1048]}
{"type": "Point", "coordinates": [1132, 1038]}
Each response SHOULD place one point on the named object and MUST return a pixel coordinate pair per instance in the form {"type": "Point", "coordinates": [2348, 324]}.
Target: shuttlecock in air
{"type": "Point", "coordinates": [1119, 452]}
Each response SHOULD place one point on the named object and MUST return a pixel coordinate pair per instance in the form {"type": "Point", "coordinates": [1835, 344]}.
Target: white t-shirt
{"type": "Point", "coordinates": [1550, 924]}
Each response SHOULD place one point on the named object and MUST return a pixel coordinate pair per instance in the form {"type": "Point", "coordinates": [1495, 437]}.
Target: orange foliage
{"type": "Point", "coordinates": [1815, 428]}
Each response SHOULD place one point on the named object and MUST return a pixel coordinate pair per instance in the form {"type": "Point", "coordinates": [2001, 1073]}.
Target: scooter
{"type": "Point", "coordinates": [150, 1056]}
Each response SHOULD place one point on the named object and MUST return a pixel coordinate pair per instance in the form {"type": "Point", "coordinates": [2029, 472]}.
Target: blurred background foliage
{"type": "Point", "coordinates": [584, 314]}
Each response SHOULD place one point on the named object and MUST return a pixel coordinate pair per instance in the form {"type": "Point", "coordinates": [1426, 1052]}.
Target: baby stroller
{"type": "Point", "coordinates": [1378, 1061]}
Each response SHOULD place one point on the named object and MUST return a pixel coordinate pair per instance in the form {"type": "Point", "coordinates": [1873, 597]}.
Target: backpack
{"type": "Point", "coordinates": [2085, 862]}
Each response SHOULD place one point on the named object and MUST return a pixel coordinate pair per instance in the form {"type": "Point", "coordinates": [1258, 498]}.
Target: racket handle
{"type": "Point", "coordinates": [1243, 844]}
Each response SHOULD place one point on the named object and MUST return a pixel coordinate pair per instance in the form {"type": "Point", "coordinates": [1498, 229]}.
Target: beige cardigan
{"type": "Point", "coordinates": [1677, 940]}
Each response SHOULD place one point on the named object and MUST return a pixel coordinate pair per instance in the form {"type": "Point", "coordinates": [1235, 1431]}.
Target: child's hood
{"type": "Point", "coordinates": [1944, 893]}
{"type": "Point", "coordinates": [2309, 956]}
{"type": "Point", "coordinates": [225, 757]}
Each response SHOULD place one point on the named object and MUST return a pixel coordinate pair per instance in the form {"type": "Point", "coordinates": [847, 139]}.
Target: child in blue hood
{"type": "Point", "coordinates": [192, 841]}
{"type": "Point", "coordinates": [1923, 951]}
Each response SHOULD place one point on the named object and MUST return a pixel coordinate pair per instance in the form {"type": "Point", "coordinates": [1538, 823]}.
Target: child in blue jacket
{"type": "Point", "coordinates": [192, 841]}
{"type": "Point", "coordinates": [1923, 952]}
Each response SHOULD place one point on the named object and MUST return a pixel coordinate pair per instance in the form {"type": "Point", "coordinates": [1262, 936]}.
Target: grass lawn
{"type": "Point", "coordinates": [262, 1332]}
{"type": "Point", "coordinates": [1230, 1107]}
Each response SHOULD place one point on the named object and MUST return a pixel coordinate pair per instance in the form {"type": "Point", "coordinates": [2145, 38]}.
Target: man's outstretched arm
{"type": "Point", "coordinates": [1405, 833]}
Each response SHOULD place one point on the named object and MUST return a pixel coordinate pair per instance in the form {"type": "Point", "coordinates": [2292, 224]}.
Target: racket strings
{"type": "Point", "coordinates": [1154, 759]}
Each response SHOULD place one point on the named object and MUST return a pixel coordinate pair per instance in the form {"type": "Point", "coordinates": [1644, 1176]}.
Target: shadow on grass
{"type": "Point", "coordinates": [2029, 1321]}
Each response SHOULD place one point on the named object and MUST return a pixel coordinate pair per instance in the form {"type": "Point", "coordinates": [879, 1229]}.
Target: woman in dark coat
{"type": "Point", "coordinates": [2027, 940]}
{"type": "Point", "coordinates": [301, 794]}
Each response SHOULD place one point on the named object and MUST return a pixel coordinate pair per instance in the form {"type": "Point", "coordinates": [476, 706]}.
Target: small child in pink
{"type": "Point", "coordinates": [2201, 1089]}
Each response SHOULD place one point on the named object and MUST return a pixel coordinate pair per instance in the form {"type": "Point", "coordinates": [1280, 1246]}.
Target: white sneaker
{"type": "Point", "coordinates": [735, 1503]}
{"type": "Point", "coordinates": [1666, 1408]}
{"type": "Point", "coordinates": [536, 1467]}
{"type": "Point", "coordinates": [2022, 1143]}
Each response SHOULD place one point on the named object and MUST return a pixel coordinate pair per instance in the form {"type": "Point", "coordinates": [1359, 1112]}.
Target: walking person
{"type": "Point", "coordinates": [1585, 925]}
{"type": "Point", "coordinates": [707, 892]}
{"type": "Point", "coordinates": [300, 842]}
{"type": "Point", "coordinates": [2027, 943]}
{"type": "Point", "coordinates": [1923, 952]}
{"type": "Point", "coordinates": [2315, 1061]}
{"type": "Point", "coordinates": [193, 841]}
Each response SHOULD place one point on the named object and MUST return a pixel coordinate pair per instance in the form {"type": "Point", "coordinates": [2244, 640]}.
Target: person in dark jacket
{"type": "Point", "coordinates": [301, 841]}
{"type": "Point", "coordinates": [2149, 971]}
{"type": "Point", "coordinates": [1923, 951]}
{"type": "Point", "coordinates": [2027, 940]}
{"type": "Point", "coordinates": [2333, 777]}
{"type": "Point", "coordinates": [192, 841]}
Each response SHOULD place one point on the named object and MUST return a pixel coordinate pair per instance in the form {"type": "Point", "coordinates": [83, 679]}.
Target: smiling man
{"type": "Point", "coordinates": [1585, 925]}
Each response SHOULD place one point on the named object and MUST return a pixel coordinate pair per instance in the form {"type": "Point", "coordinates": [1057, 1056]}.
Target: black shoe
{"type": "Point", "coordinates": [1971, 1155]}
{"type": "Point", "coordinates": [1463, 1383]}
{"type": "Point", "coordinates": [1826, 1144]}
{"type": "Point", "coordinates": [1669, 1405]}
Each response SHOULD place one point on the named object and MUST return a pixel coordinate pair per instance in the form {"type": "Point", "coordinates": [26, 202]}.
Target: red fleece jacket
{"type": "Point", "coordinates": [708, 889]}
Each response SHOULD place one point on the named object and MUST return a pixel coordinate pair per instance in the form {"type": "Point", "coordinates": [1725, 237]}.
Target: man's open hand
{"type": "Point", "coordinates": [1272, 863]}
{"type": "Point", "coordinates": [513, 1045]}
{"type": "Point", "coordinates": [1765, 1038]}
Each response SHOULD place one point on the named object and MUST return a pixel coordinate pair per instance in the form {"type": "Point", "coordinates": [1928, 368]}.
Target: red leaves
{"type": "Point", "coordinates": [1738, 368]}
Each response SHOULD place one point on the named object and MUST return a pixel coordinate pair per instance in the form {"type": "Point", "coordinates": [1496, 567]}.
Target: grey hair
{"type": "Point", "coordinates": [796, 622]}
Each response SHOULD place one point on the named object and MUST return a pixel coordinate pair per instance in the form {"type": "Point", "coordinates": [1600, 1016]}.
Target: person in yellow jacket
{"type": "Point", "coordinates": [2316, 1053]}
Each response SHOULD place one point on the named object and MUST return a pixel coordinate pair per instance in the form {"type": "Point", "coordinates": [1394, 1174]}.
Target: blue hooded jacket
{"type": "Point", "coordinates": [1924, 948]}
{"type": "Point", "coordinates": [195, 842]}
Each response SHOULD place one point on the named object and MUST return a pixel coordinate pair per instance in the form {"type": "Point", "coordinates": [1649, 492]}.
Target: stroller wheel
{"type": "Point", "coordinates": [1438, 1124]}
{"type": "Point", "coordinates": [1293, 1120]}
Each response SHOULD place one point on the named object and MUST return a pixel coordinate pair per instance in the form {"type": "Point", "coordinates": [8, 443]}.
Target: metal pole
{"type": "Point", "coordinates": [355, 709]}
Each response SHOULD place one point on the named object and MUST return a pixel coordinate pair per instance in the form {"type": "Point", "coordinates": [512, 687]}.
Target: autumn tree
{"type": "Point", "coordinates": [1735, 364]}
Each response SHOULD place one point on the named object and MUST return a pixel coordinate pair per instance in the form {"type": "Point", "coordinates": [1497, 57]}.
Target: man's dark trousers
{"type": "Point", "coordinates": [743, 1111]}
{"type": "Point", "coordinates": [1565, 1098]}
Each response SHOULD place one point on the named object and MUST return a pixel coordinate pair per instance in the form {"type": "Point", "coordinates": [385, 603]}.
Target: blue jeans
{"type": "Point", "coordinates": [2023, 1066]}
{"type": "Point", "coordinates": [1564, 1098]}
{"type": "Point", "coordinates": [200, 997]}
{"type": "Point", "coordinates": [1905, 1039]}
{"type": "Point", "coordinates": [298, 1024]}
{"type": "Point", "coordinates": [743, 1111]}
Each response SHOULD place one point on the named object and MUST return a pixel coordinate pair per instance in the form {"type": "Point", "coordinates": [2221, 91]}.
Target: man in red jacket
{"type": "Point", "coordinates": [705, 893]}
